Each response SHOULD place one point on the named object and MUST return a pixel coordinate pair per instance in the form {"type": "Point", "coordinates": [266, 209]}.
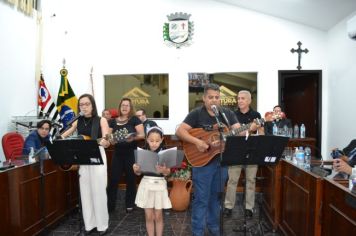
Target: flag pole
{"type": "Point", "coordinates": [91, 81]}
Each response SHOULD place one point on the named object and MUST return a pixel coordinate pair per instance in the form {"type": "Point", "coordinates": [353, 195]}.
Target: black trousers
{"type": "Point", "coordinates": [122, 161]}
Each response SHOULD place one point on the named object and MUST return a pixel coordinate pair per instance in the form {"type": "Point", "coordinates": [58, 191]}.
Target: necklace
{"type": "Point", "coordinates": [121, 121]}
{"type": "Point", "coordinates": [87, 121]}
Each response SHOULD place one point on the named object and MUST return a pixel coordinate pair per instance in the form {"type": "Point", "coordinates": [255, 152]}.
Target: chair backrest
{"type": "Point", "coordinates": [12, 144]}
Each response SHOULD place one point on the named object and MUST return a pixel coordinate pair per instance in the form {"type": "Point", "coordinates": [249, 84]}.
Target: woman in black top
{"type": "Point", "coordinates": [123, 159]}
{"type": "Point", "coordinates": [93, 178]}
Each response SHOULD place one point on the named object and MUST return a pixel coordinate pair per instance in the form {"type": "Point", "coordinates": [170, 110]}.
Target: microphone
{"type": "Point", "coordinates": [220, 125]}
{"type": "Point", "coordinates": [215, 110]}
{"type": "Point", "coordinates": [74, 119]}
{"type": "Point", "coordinates": [56, 124]}
{"type": "Point", "coordinates": [221, 109]}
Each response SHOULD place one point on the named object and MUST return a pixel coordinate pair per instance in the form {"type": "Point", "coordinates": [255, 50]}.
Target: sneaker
{"type": "Point", "coordinates": [248, 213]}
{"type": "Point", "coordinates": [227, 212]}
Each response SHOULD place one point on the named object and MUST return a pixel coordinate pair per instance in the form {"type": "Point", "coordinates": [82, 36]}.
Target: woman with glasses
{"type": "Point", "coordinates": [129, 129]}
{"type": "Point", "coordinates": [93, 178]}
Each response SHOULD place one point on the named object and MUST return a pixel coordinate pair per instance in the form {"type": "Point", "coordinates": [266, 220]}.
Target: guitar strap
{"type": "Point", "coordinates": [95, 128]}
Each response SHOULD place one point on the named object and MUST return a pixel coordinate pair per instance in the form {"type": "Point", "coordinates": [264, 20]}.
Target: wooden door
{"type": "Point", "coordinates": [300, 95]}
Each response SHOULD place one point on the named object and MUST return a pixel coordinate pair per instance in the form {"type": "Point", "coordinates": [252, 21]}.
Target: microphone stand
{"type": "Point", "coordinates": [69, 124]}
{"type": "Point", "coordinates": [221, 192]}
{"type": "Point", "coordinates": [41, 158]}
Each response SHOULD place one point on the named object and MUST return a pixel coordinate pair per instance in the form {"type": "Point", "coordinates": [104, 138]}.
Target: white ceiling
{"type": "Point", "coordinates": [320, 14]}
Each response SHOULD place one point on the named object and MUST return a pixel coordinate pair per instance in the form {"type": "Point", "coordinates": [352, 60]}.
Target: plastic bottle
{"type": "Point", "coordinates": [31, 158]}
{"type": "Point", "coordinates": [302, 131]}
{"type": "Point", "coordinates": [148, 127]}
{"type": "Point", "coordinates": [300, 157]}
{"type": "Point", "coordinates": [294, 158]}
{"type": "Point", "coordinates": [275, 129]}
{"type": "Point", "coordinates": [296, 131]}
{"type": "Point", "coordinates": [285, 130]}
{"type": "Point", "coordinates": [307, 152]}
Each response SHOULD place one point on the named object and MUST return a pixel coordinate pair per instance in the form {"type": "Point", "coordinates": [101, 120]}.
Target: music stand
{"type": "Point", "coordinates": [254, 150]}
{"type": "Point", "coordinates": [75, 152]}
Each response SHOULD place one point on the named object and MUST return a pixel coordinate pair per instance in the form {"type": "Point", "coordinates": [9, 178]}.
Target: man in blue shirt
{"type": "Point", "coordinates": [37, 138]}
{"type": "Point", "coordinates": [208, 179]}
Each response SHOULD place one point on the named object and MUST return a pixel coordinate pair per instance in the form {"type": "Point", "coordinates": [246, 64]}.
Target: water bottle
{"type": "Point", "coordinates": [307, 160]}
{"type": "Point", "coordinates": [296, 131]}
{"type": "Point", "coordinates": [294, 158]}
{"type": "Point", "coordinates": [285, 130]}
{"type": "Point", "coordinates": [302, 131]}
{"type": "Point", "coordinates": [148, 127]}
{"type": "Point", "coordinates": [275, 129]}
{"type": "Point", "coordinates": [31, 158]}
{"type": "Point", "coordinates": [300, 157]}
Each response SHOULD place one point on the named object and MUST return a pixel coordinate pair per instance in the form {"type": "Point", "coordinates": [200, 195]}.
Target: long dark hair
{"type": "Point", "coordinates": [94, 112]}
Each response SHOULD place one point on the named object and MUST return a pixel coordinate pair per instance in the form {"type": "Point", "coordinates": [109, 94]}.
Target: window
{"type": "Point", "coordinates": [230, 84]}
{"type": "Point", "coordinates": [147, 91]}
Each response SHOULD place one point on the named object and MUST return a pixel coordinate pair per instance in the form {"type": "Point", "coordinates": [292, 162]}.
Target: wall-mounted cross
{"type": "Point", "coordinates": [299, 51]}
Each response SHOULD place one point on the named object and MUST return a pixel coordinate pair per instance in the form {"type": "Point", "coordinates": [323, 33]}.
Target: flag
{"type": "Point", "coordinates": [46, 106]}
{"type": "Point", "coordinates": [67, 101]}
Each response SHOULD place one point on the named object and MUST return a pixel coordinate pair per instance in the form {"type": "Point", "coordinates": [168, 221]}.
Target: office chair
{"type": "Point", "coordinates": [12, 144]}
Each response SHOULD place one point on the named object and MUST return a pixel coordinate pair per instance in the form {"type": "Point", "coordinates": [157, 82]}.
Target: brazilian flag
{"type": "Point", "coordinates": [67, 101]}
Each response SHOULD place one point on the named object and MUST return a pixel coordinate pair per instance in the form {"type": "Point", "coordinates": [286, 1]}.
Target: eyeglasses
{"type": "Point", "coordinates": [84, 104]}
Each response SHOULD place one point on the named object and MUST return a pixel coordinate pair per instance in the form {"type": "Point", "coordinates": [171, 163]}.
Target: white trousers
{"type": "Point", "coordinates": [93, 182]}
{"type": "Point", "coordinates": [234, 175]}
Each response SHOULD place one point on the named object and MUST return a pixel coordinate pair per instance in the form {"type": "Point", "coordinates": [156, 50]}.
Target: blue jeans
{"type": "Point", "coordinates": [206, 202]}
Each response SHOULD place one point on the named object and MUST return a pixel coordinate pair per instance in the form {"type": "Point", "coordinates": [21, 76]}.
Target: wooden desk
{"type": "Point", "coordinates": [339, 210]}
{"type": "Point", "coordinates": [272, 193]}
{"type": "Point", "coordinates": [301, 200]}
{"type": "Point", "coordinates": [21, 198]}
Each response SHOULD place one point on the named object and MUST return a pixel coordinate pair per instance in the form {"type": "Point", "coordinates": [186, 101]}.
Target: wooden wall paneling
{"type": "Point", "coordinates": [5, 223]}
{"type": "Point", "coordinates": [300, 201]}
{"type": "Point", "coordinates": [271, 189]}
{"type": "Point", "coordinates": [339, 210]}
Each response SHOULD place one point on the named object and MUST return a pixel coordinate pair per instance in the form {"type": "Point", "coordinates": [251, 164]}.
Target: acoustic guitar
{"type": "Point", "coordinates": [117, 136]}
{"type": "Point", "coordinates": [211, 136]}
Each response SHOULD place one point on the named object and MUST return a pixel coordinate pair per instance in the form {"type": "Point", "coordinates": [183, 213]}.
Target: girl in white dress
{"type": "Point", "coordinates": [152, 194]}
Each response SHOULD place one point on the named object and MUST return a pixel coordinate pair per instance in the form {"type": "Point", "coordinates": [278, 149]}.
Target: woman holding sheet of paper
{"type": "Point", "coordinates": [152, 194]}
{"type": "Point", "coordinates": [128, 129]}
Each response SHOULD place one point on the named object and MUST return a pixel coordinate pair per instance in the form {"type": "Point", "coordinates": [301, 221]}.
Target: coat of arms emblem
{"type": "Point", "coordinates": [178, 31]}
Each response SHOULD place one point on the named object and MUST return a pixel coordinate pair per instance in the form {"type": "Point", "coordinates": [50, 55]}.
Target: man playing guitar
{"type": "Point", "coordinates": [245, 115]}
{"type": "Point", "coordinates": [206, 179]}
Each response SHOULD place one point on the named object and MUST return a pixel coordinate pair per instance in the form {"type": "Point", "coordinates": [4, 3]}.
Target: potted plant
{"type": "Point", "coordinates": [181, 186]}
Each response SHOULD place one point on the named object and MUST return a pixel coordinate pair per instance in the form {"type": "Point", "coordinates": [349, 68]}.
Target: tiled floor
{"type": "Point", "coordinates": [176, 223]}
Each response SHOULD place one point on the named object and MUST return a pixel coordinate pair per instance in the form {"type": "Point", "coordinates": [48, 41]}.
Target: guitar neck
{"type": "Point", "coordinates": [246, 127]}
{"type": "Point", "coordinates": [240, 129]}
